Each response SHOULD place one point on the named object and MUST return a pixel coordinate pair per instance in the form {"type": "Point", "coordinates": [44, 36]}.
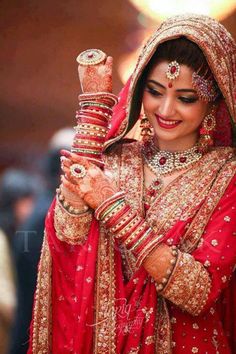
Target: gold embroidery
{"type": "Point", "coordinates": [41, 341]}
{"type": "Point", "coordinates": [105, 317]}
{"type": "Point", "coordinates": [189, 285]}
{"type": "Point", "coordinates": [181, 199]}
{"type": "Point", "coordinates": [163, 332]}
{"type": "Point", "coordinates": [71, 228]}
{"type": "Point", "coordinates": [192, 236]}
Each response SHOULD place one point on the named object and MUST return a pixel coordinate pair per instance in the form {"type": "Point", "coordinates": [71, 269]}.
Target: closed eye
{"type": "Point", "coordinates": [152, 91]}
{"type": "Point", "coordinates": [188, 100]}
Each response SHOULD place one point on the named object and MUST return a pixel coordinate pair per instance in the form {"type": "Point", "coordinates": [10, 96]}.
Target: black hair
{"type": "Point", "coordinates": [184, 52]}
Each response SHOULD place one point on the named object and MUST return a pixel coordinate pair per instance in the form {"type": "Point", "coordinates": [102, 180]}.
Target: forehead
{"type": "Point", "coordinates": [158, 73]}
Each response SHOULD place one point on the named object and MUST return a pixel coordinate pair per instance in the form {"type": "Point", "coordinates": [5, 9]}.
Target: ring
{"type": "Point", "coordinates": [91, 57]}
{"type": "Point", "coordinates": [77, 170]}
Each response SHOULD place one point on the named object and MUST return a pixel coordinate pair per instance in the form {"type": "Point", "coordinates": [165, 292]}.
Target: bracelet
{"type": "Point", "coordinates": [141, 239]}
{"type": "Point", "coordinates": [106, 203]}
{"type": "Point", "coordinates": [128, 227]}
{"type": "Point", "coordinates": [67, 206]}
{"type": "Point", "coordinates": [95, 104]}
{"type": "Point", "coordinates": [108, 97]}
{"type": "Point", "coordinates": [116, 207]}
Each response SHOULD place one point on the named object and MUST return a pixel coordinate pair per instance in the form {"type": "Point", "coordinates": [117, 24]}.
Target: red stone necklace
{"type": "Point", "coordinates": [163, 163]}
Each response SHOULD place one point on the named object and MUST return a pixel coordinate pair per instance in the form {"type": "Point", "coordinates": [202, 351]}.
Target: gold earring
{"type": "Point", "coordinates": [146, 128]}
{"type": "Point", "coordinates": [206, 131]}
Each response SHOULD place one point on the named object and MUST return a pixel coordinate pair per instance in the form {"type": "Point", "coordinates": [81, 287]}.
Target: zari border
{"type": "Point", "coordinates": [181, 199]}
{"type": "Point", "coordinates": [41, 335]}
{"type": "Point", "coordinates": [105, 319]}
{"type": "Point", "coordinates": [192, 236]}
{"type": "Point", "coordinates": [163, 329]}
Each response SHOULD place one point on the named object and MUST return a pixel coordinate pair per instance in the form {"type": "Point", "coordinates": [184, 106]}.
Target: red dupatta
{"type": "Point", "coordinates": [93, 308]}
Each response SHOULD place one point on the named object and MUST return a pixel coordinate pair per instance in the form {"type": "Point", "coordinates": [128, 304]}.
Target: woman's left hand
{"type": "Point", "coordinates": [95, 187]}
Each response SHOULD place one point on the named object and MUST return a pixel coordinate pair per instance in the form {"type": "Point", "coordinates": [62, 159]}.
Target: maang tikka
{"type": "Point", "coordinates": [172, 72]}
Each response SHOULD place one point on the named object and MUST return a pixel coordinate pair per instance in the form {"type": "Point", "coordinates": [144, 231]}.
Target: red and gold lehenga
{"type": "Point", "coordinates": [91, 297]}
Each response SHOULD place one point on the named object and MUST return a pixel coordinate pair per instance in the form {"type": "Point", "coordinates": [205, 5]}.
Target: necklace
{"type": "Point", "coordinates": [165, 162]}
{"type": "Point", "coordinates": [162, 163]}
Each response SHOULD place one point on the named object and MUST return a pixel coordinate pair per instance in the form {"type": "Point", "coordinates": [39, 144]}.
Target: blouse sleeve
{"type": "Point", "coordinates": [198, 279]}
{"type": "Point", "coordinates": [71, 228]}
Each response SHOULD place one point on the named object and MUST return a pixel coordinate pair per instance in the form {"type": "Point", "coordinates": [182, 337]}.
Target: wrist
{"type": "Point", "coordinates": [70, 204]}
{"type": "Point", "coordinates": [92, 125]}
{"type": "Point", "coordinates": [127, 226]}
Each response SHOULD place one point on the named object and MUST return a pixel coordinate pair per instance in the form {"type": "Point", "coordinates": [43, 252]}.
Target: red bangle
{"type": "Point", "coordinates": [114, 218]}
{"type": "Point", "coordinates": [84, 119]}
{"type": "Point", "coordinates": [99, 139]}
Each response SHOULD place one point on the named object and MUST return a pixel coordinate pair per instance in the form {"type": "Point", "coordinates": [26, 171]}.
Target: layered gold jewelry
{"type": "Point", "coordinates": [165, 162]}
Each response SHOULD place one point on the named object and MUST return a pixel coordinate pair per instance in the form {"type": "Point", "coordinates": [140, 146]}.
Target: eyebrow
{"type": "Point", "coordinates": [179, 90]}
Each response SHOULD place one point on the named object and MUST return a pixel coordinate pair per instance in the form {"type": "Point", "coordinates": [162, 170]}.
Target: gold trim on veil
{"type": "Point", "coordinates": [217, 45]}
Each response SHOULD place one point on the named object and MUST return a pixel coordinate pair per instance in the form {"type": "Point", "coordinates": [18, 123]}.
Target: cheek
{"type": "Point", "coordinates": [149, 103]}
{"type": "Point", "coordinates": [195, 115]}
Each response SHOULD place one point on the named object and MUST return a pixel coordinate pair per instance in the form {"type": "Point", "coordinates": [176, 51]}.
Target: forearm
{"type": "Point", "coordinates": [179, 278]}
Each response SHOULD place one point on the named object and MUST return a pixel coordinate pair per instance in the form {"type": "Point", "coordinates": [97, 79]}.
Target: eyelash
{"type": "Point", "coordinates": [187, 100]}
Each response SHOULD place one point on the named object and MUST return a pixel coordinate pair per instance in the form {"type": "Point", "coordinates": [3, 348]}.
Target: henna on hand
{"type": "Point", "coordinates": [94, 187]}
{"type": "Point", "coordinates": [71, 196]}
{"type": "Point", "coordinates": [96, 78]}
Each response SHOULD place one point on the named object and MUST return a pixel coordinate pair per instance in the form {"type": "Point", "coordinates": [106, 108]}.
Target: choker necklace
{"type": "Point", "coordinates": [163, 162]}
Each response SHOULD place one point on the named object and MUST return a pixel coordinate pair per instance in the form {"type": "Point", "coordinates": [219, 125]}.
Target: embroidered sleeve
{"type": "Point", "coordinates": [69, 227]}
{"type": "Point", "coordinates": [188, 285]}
{"type": "Point", "coordinates": [197, 280]}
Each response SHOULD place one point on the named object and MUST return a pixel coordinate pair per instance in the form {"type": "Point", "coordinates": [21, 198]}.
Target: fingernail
{"type": "Point", "coordinates": [65, 153]}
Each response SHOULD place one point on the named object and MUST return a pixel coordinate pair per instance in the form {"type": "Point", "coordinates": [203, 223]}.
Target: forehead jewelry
{"type": "Point", "coordinates": [172, 71]}
{"type": "Point", "coordinates": [207, 89]}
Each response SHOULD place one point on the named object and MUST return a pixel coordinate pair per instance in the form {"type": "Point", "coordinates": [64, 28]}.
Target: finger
{"type": "Point", "coordinates": [109, 61]}
{"type": "Point", "coordinates": [69, 177]}
{"type": "Point", "coordinates": [74, 158]}
{"type": "Point", "coordinates": [80, 160]}
{"type": "Point", "coordinates": [65, 153]}
{"type": "Point", "coordinates": [66, 162]}
{"type": "Point", "coordinates": [71, 187]}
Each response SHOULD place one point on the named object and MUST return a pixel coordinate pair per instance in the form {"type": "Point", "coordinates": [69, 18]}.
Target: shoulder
{"type": "Point", "coordinates": [222, 156]}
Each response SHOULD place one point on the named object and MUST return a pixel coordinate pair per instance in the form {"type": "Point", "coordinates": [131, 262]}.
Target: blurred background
{"type": "Point", "coordinates": [40, 41]}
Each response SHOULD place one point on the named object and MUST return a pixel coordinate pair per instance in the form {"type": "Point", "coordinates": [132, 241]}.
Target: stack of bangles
{"type": "Point", "coordinates": [92, 125]}
{"type": "Point", "coordinates": [127, 226]}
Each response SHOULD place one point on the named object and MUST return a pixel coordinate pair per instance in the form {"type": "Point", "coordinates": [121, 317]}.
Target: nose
{"type": "Point", "coordinates": [166, 108]}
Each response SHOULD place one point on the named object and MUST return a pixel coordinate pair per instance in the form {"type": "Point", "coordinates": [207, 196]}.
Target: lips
{"type": "Point", "coordinates": [167, 123]}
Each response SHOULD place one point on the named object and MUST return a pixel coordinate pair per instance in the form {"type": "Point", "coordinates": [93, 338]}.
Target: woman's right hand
{"type": "Point", "coordinates": [96, 78]}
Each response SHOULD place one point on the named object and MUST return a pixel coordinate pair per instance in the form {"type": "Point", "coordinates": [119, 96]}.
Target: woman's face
{"type": "Point", "coordinates": [174, 112]}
